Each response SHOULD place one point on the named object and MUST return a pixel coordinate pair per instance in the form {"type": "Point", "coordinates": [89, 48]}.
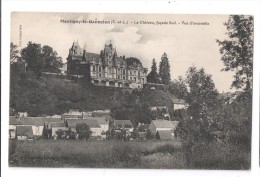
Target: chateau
{"type": "Point", "coordinates": [106, 68]}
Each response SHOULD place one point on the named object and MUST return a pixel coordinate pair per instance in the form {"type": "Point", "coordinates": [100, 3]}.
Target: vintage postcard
{"type": "Point", "coordinates": [146, 91]}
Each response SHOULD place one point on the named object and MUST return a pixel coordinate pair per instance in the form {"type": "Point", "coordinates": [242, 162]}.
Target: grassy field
{"type": "Point", "coordinates": [117, 154]}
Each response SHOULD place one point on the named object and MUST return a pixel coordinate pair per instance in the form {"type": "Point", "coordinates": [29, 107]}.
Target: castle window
{"type": "Point", "coordinates": [99, 75]}
{"type": "Point", "coordinates": [99, 68]}
{"type": "Point", "coordinates": [135, 79]}
{"type": "Point", "coordinates": [94, 68]}
{"type": "Point", "coordinates": [130, 78]}
{"type": "Point", "coordinates": [123, 77]}
{"type": "Point", "coordinates": [118, 77]}
{"type": "Point", "coordinates": [123, 71]}
{"type": "Point", "coordinates": [138, 73]}
{"type": "Point", "coordinates": [134, 72]}
{"type": "Point", "coordinates": [143, 80]}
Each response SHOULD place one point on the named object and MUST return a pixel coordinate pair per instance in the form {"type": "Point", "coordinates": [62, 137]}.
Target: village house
{"type": "Point", "coordinates": [179, 104]}
{"type": "Point", "coordinates": [124, 124]}
{"type": "Point", "coordinates": [93, 124]}
{"type": "Point", "coordinates": [24, 133]}
{"type": "Point", "coordinates": [164, 135]}
{"type": "Point", "coordinates": [162, 125]}
{"type": "Point", "coordinates": [55, 126]}
{"type": "Point", "coordinates": [103, 122]}
{"type": "Point", "coordinates": [13, 122]}
{"type": "Point", "coordinates": [37, 123]}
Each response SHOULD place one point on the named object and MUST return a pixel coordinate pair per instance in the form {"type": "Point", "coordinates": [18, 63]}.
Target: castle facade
{"type": "Point", "coordinates": [106, 68]}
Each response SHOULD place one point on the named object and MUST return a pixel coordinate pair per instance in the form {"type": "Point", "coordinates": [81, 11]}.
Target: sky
{"type": "Point", "coordinates": [184, 43]}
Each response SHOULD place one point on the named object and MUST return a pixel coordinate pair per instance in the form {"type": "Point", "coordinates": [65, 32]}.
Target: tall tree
{"type": "Point", "coordinates": [13, 53]}
{"type": "Point", "coordinates": [153, 76]}
{"type": "Point", "coordinates": [164, 70]}
{"type": "Point", "coordinates": [202, 92]}
{"type": "Point", "coordinates": [83, 131]}
{"type": "Point", "coordinates": [237, 50]}
{"type": "Point", "coordinates": [52, 62]}
{"type": "Point", "coordinates": [32, 55]}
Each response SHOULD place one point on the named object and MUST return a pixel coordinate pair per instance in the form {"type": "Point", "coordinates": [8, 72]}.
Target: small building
{"type": "Point", "coordinates": [55, 126]}
{"type": "Point", "coordinates": [93, 125]}
{"type": "Point", "coordinates": [104, 124]}
{"type": "Point", "coordinates": [164, 135]}
{"type": "Point", "coordinates": [179, 104]}
{"type": "Point", "coordinates": [157, 125]}
{"type": "Point", "coordinates": [13, 122]}
{"type": "Point", "coordinates": [124, 124]}
{"type": "Point", "coordinates": [24, 132]}
{"type": "Point", "coordinates": [38, 123]}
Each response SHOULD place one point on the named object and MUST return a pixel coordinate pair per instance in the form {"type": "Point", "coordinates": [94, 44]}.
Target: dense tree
{"type": "Point", "coordinates": [164, 70]}
{"type": "Point", "coordinates": [179, 88]}
{"type": "Point", "coordinates": [40, 59]}
{"type": "Point", "coordinates": [202, 92]}
{"type": "Point", "coordinates": [52, 62]}
{"type": "Point", "coordinates": [31, 54]}
{"type": "Point", "coordinates": [237, 50]}
{"type": "Point", "coordinates": [153, 76]}
{"type": "Point", "coordinates": [13, 53]}
{"type": "Point", "coordinates": [83, 131]}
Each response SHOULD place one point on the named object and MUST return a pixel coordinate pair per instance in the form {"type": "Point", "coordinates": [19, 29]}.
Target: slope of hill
{"type": "Point", "coordinates": [47, 95]}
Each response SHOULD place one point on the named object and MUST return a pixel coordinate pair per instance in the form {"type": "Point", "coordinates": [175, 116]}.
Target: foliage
{"type": "Point", "coordinates": [237, 51]}
{"type": "Point", "coordinates": [133, 62]}
{"type": "Point", "coordinates": [83, 131]}
{"type": "Point", "coordinates": [153, 76]}
{"type": "Point", "coordinates": [13, 52]}
{"type": "Point", "coordinates": [41, 59]}
{"type": "Point", "coordinates": [179, 88]}
{"type": "Point", "coordinates": [164, 70]}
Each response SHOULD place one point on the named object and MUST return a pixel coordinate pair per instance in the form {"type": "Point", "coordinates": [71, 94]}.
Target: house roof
{"type": "Point", "coordinates": [72, 123]}
{"type": "Point", "coordinates": [162, 124]}
{"type": "Point", "coordinates": [178, 101]}
{"type": "Point", "coordinates": [101, 120]}
{"type": "Point", "coordinates": [175, 123]}
{"type": "Point", "coordinates": [24, 131]}
{"type": "Point", "coordinates": [123, 123]}
{"type": "Point", "coordinates": [14, 121]}
{"type": "Point", "coordinates": [57, 124]}
{"type": "Point", "coordinates": [165, 134]}
{"type": "Point", "coordinates": [38, 121]}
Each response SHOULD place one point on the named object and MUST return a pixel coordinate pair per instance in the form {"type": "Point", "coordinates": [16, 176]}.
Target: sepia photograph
{"type": "Point", "coordinates": [131, 91]}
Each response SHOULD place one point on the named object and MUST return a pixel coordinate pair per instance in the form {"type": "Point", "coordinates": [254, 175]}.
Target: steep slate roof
{"type": "Point", "coordinates": [165, 134]}
{"type": "Point", "coordinates": [14, 121]}
{"type": "Point", "coordinates": [72, 123]}
{"type": "Point", "coordinates": [24, 131]}
{"type": "Point", "coordinates": [38, 121]}
{"type": "Point", "coordinates": [89, 56]}
{"type": "Point", "coordinates": [162, 124]}
{"type": "Point", "coordinates": [123, 123]}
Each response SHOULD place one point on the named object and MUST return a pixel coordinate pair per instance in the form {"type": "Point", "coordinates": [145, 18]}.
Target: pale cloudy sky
{"type": "Point", "coordinates": [185, 45]}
